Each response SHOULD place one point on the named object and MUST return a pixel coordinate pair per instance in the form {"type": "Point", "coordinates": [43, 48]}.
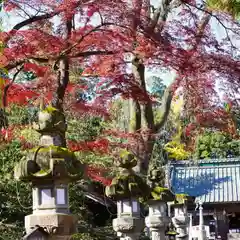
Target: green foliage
{"type": "Point", "coordinates": [230, 6]}
{"type": "Point", "coordinates": [216, 145]}
{"type": "Point", "coordinates": [88, 129]}
{"type": "Point", "coordinates": [27, 76]}
{"type": "Point", "coordinates": [176, 150]}
{"type": "Point", "coordinates": [158, 88]}
{"type": "Point", "coordinates": [31, 135]}
{"type": "Point", "coordinates": [158, 153]}
{"type": "Point", "coordinates": [18, 115]}
{"type": "Point", "coordinates": [15, 198]}
{"type": "Point", "coordinates": [103, 233]}
{"type": "Point", "coordinates": [11, 232]}
{"type": "Point", "coordinates": [84, 129]}
{"type": "Point", "coordinates": [77, 206]}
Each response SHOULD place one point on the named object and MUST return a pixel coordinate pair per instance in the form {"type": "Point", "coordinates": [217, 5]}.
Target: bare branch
{"type": "Point", "coordinates": [90, 53]}
{"type": "Point", "coordinates": [11, 66]}
{"type": "Point", "coordinates": [161, 13]}
{"type": "Point", "coordinates": [212, 15]}
{"type": "Point", "coordinates": [34, 19]}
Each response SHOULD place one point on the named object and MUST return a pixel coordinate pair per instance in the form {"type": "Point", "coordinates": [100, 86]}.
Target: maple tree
{"type": "Point", "coordinates": [97, 40]}
{"type": "Point", "coordinates": [63, 50]}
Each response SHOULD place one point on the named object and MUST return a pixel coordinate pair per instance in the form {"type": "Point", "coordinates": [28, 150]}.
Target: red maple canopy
{"type": "Point", "coordinates": [58, 36]}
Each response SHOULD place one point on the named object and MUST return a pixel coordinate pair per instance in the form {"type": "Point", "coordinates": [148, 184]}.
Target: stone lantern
{"type": "Point", "coordinates": [126, 188]}
{"type": "Point", "coordinates": [181, 218]}
{"type": "Point", "coordinates": [202, 231]}
{"type": "Point", "coordinates": [50, 167]}
{"type": "Point", "coordinates": [171, 234]}
{"type": "Point", "coordinates": [157, 220]}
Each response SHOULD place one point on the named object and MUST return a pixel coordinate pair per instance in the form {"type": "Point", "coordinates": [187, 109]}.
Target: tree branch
{"type": "Point", "coordinates": [70, 48]}
{"type": "Point", "coordinates": [210, 13]}
{"type": "Point", "coordinates": [33, 19]}
{"type": "Point", "coordinates": [90, 53]}
{"type": "Point", "coordinates": [161, 13]}
{"type": "Point", "coordinates": [165, 108]}
{"type": "Point", "coordinates": [63, 73]}
{"type": "Point", "coordinates": [6, 88]}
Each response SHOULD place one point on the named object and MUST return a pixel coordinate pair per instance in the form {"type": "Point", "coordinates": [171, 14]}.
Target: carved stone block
{"type": "Point", "coordinates": [48, 140]}
{"type": "Point", "coordinates": [128, 224]}
{"type": "Point", "coordinates": [157, 221]}
{"type": "Point", "coordinates": [53, 223]}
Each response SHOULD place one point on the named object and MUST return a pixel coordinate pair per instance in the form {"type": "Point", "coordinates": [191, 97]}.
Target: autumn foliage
{"type": "Point", "coordinates": [101, 38]}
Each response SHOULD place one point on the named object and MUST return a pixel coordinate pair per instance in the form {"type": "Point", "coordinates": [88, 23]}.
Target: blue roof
{"type": "Point", "coordinates": [211, 181]}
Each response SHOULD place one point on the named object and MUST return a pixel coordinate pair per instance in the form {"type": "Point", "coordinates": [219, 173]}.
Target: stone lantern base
{"type": "Point", "coordinates": [181, 223]}
{"type": "Point", "coordinates": [157, 226]}
{"type": "Point", "coordinates": [130, 226]}
{"type": "Point", "coordinates": [60, 226]}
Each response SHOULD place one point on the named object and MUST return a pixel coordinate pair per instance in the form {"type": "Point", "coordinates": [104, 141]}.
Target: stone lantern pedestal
{"type": "Point", "coordinates": [202, 231]}
{"type": "Point", "coordinates": [181, 218]}
{"type": "Point", "coordinates": [157, 221]}
{"type": "Point", "coordinates": [126, 188]}
{"type": "Point", "coordinates": [50, 167]}
{"type": "Point", "coordinates": [128, 222]}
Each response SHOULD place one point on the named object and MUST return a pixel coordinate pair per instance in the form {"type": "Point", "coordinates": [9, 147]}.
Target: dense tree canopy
{"type": "Point", "coordinates": [68, 44]}
{"type": "Point", "coordinates": [90, 60]}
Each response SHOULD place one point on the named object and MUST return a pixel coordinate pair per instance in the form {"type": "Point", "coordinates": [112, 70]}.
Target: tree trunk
{"type": "Point", "coordinates": [144, 124]}
{"type": "Point", "coordinates": [144, 111]}
{"type": "Point", "coordinates": [63, 72]}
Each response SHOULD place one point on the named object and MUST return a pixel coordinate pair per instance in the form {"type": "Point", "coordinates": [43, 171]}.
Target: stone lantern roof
{"type": "Point", "coordinates": [51, 159]}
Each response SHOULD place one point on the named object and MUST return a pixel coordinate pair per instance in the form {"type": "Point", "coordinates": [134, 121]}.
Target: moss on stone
{"type": "Point", "coordinates": [42, 173]}
{"type": "Point", "coordinates": [163, 194]}
{"type": "Point", "coordinates": [50, 109]}
{"type": "Point", "coordinates": [171, 233]}
{"type": "Point", "coordinates": [50, 160]}
{"type": "Point", "coordinates": [127, 184]}
{"type": "Point", "coordinates": [127, 160]}
{"type": "Point", "coordinates": [156, 180]}
{"type": "Point", "coordinates": [183, 199]}
{"type": "Point", "coordinates": [53, 150]}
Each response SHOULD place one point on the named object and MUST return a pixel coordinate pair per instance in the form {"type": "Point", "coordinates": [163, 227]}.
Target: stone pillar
{"type": "Point", "coordinates": [128, 222]}
{"type": "Point", "coordinates": [202, 232]}
{"type": "Point", "coordinates": [126, 188]}
{"type": "Point", "coordinates": [181, 218]}
{"type": "Point", "coordinates": [50, 167]}
{"type": "Point", "coordinates": [190, 226]}
{"type": "Point", "coordinates": [181, 222]}
{"type": "Point", "coordinates": [157, 221]}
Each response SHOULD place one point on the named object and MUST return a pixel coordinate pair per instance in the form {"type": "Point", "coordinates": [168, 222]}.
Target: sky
{"type": "Point", "coordinates": [9, 20]}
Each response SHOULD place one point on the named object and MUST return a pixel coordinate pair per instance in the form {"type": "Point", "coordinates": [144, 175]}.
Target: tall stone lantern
{"type": "Point", "coordinates": [50, 167]}
{"type": "Point", "coordinates": [126, 188]}
{"type": "Point", "coordinates": [157, 220]}
{"type": "Point", "coordinates": [181, 218]}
